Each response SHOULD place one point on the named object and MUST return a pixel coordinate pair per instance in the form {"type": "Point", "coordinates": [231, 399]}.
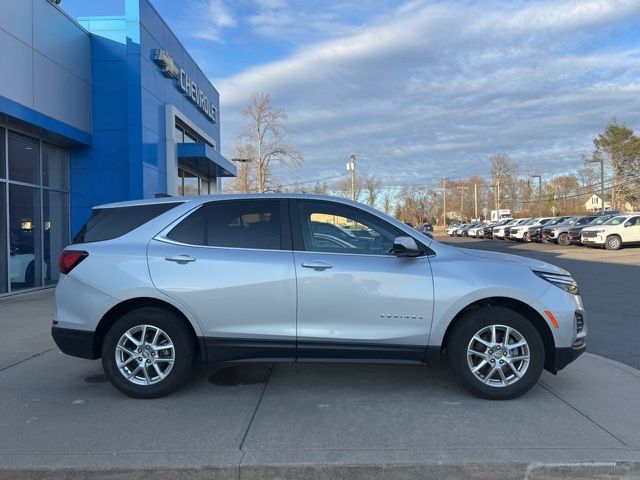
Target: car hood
{"type": "Point", "coordinates": [537, 265]}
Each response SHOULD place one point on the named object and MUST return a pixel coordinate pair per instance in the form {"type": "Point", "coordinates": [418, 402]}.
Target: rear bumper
{"type": "Point", "coordinates": [77, 343]}
{"type": "Point", "coordinates": [566, 355]}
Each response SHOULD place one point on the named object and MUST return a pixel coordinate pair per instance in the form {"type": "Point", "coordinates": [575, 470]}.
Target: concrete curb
{"type": "Point", "coordinates": [505, 471]}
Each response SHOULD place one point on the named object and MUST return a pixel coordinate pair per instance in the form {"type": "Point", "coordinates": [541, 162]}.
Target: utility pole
{"type": "Point", "coordinates": [539, 177]}
{"type": "Point", "coordinates": [444, 201]}
{"type": "Point", "coordinates": [351, 167]}
{"type": "Point", "coordinates": [475, 199]}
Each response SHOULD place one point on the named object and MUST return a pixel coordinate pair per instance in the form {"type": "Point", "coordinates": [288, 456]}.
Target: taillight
{"type": "Point", "coordinates": [69, 259]}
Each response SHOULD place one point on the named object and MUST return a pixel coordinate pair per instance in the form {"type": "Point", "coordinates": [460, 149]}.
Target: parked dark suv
{"type": "Point", "coordinates": [560, 233]}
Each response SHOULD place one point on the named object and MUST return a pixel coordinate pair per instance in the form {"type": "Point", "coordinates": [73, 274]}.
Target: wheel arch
{"type": "Point", "coordinates": [113, 314]}
{"type": "Point", "coordinates": [519, 306]}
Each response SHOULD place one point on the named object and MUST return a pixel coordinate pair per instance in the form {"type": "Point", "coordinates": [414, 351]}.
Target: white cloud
{"type": "Point", "coordinates": [213, 17]}
{"type": "Point", "coordinates": [434, 89]}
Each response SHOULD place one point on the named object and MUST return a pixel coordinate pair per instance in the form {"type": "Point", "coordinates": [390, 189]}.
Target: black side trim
{"type": "Point", "coordinates": [434, 356]}
{"type": "Point", "coordinates": [234, 349]}
{"type": "Point", "coordinates": [238, 349]}
{"type": "Point", "coordinates": [566, 355]}
{"type": "Point", "coordinates": [359, 351]}
{"type": "Point", "coordinates": [77, 343]}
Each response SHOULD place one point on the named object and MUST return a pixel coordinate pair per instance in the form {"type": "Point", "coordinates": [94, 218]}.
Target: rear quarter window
{"type": "Point", "coordinates": [109, 223]}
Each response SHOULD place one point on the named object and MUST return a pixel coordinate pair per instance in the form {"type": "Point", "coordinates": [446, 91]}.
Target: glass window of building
{"type": "Point", "coordinates": [25, 253]}
{"type": "Point", "coordinates": [24, 158]}
{"type": "Point", "coordinates": [34, 211]}
{"type": "Point", "coordinates": [4, 273]}
{"type": "Point", "coordinates": [55, 167]}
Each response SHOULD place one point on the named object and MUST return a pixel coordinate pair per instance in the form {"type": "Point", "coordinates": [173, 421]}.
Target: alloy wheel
{"type": "Point", "coordinates": [145, 355]}
{"type": "Point", "coordinates": [498, 355]}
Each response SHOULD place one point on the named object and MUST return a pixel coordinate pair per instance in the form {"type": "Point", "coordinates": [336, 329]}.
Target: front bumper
{"type": "Point", "coordinates": [566, 355]}
{"type": "Point", "coordinates": [77, 343]}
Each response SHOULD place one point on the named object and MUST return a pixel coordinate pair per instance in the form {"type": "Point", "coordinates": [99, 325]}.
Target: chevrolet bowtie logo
{"type": "Point", "coordinates": [169, 67]}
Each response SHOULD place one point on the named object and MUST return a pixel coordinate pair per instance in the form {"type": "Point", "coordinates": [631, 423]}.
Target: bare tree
{"type": "Point", "coordinates": [504, 173]}
{"type": "Point", "coordinates": [264, 137]}
{"type": "Point", "coordinates": [371, 185]}
{"type": "Point", "coordinates": [245, 180]}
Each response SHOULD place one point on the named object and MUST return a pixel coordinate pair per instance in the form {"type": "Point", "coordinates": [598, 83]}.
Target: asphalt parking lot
{"type": "Point", "coordinates": [608, 283]}
{"type": "Point", "coordinates": [61, 419]}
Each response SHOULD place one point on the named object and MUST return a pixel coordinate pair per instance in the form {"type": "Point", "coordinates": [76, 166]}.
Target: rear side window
{"type": "Point", "coordinates": [233, 224]}
{"type": "Point", "coordinates": [108, 223]}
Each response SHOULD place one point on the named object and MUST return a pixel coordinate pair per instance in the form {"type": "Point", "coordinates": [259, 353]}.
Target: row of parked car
{"type": "Point", "coordinates": [611, 230]}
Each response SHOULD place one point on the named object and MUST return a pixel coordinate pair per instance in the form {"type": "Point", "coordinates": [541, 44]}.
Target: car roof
{"type": "Point", "coordinates": [226, 196]}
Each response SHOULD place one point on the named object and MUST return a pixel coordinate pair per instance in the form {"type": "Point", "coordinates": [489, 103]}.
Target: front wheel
{"type": "Point", "coordinates": [148, 353]}
{"type": "Point", "coordinates": [526, 237]}
{"type": "Point", "coordinates": [614, 242]}
{"type": "Point", "coordinates": [496, 353]}
{"type": "Point", "coordinates": [563, 240]}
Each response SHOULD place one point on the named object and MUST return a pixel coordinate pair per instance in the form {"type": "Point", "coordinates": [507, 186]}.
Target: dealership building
{"type": "Point", "coordinates": [93, 110]}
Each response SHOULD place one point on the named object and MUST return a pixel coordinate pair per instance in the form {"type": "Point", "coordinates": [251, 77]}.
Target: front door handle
{"type": "Point", "coordinates": [182, 258]}
{"type": "Point", "coordinates": [319, 265]}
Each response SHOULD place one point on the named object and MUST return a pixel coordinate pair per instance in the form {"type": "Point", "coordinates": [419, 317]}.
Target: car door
{"type": "Point", "coordinates": [632, 230]}
{"type": "Point", "coordinates": [231, 264]}
{"type": "Point", "coordinates": [356, 299]}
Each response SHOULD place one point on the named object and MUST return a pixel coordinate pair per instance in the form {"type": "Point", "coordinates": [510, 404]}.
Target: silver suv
{"type": "Point", "coordinates": [152, 286]}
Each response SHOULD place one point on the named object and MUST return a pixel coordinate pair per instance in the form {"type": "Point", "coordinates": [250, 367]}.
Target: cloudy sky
{"type": "Point", "coordinates": [420, 89]}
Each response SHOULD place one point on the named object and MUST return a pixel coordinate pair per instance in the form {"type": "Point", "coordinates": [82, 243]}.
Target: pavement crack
{"type": "Point", "coordinates": [255, 410]}
{"type": "Point", "coordinates": [550, 390]}
{"type": "Point", "coordinates": [26, 359]}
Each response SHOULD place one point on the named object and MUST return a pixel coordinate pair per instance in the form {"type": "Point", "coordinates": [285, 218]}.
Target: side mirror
{"type": "Point", "coordinates": [406, 247]}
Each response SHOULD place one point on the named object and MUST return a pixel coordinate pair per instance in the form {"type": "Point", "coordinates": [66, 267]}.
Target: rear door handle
{"type": "Point", "coordinates": [182, 258]}
{"type": "Point", "coordinates": [319, 265]}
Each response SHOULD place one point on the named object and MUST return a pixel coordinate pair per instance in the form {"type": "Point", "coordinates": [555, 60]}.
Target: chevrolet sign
{"type": "Point", "coordinates": [184, 83]}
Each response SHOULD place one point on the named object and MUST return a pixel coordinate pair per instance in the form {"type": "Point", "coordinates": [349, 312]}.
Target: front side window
{"type": "Point", "coordinates": [334, 228]}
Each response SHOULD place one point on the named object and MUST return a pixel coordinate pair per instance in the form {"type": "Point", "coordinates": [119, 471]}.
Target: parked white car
{"type": "Point", "coordinates": [614, 233]}
{"type": "Point", "coordinates": [521, 232]}
{"type": "Point", "coordinates": [498, 232]}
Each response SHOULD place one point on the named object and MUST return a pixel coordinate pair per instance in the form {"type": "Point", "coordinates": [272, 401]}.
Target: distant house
{"type": "Point", "coordinates": [594, 203]}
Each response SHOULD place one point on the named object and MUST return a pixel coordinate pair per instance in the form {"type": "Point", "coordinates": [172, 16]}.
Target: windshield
{"type": "Point", "coordinates": [599, 220]}
{"type": "Point", "coordinates": [615, 220]}
{"type": "Point", "coordinates": [570, 221]}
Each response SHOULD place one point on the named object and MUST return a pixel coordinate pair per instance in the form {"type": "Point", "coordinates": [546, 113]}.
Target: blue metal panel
{"type": "Point", "coordinates": [16, 19]}
{"type": "Point", "coordinates": [60, 94]}
{"type": "Point", "coordinates": [61, 40]}
{"type": "Point", "coordinates": [202, 151]}
{"type": "Point", "coordinates": [16, 82]}
{"type": "Point", "coordinates": [41, 120]}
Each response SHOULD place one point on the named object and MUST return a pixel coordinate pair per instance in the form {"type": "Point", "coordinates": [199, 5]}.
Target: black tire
{"type": "Point", "coordinates": [613, 242]}
{"type": "Point", "coordinates": [475, 321]}
{"type": "Point", "coordinates": [563, 239]}
{"type": "Point", "coordinates": [180, 336]}
{"type": "Point", "coordinates": [526, 237]}
{"type": "Point", "coordinates": [30, 275]}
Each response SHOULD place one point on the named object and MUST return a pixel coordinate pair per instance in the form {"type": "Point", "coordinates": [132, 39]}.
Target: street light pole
{"type": "Point", "coordinates": [539, 177]}
{"type": "Point", "coordinates": [601, 162]}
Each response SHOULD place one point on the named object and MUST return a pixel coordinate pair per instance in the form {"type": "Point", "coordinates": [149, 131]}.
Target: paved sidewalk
{"type": "Point", "coordinates": [59, 418]}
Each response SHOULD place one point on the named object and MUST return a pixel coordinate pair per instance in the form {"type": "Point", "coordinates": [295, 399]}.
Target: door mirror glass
{"type": "Point", "coordinates": [406, 247]}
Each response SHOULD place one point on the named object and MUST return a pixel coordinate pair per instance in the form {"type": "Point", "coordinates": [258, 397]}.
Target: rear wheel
{"type": "Point", "coordinates": [496, 353]}
{"type": "Point", "coordinates": [148, 353]}
{"type": "Point", "coordinates": [614, 242]}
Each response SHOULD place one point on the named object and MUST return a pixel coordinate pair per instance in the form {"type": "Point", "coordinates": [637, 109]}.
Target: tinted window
{"type": "Point", "coordinates": [324, 229]}
{"type": "Point", "coordinates": [244, 224]}
{"type": "Point", "coordinates": [108, 223]}
{"type": "Point", "coordinates": [190, 230]}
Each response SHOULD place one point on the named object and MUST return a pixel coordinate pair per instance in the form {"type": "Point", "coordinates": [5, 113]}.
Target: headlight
{"type": "Point", "coordinates": [565, 282]}
{"type": "Point", "coordinates": [597, 231]}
